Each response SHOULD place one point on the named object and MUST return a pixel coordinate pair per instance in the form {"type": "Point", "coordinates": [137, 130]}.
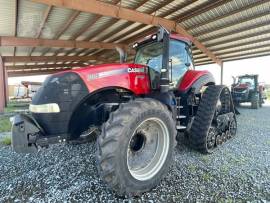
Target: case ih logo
{"type": "Point", "coordinates": [136, 70]}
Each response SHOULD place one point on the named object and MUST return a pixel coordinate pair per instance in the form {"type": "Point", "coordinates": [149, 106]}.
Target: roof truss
{"type": "Point", "coordinates": [119, 12]}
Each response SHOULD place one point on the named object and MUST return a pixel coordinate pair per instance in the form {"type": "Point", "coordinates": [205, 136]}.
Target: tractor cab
{"type": "Point", "coordinates": [168, 57]}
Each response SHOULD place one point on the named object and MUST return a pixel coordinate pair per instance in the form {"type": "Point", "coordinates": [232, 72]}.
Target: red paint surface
{"type": "Point", "coordinates": [242, 86]}
{"type": "Point", "coordinates": [136, 82]}
{"type": "Point", "coordinates": [189, 78]}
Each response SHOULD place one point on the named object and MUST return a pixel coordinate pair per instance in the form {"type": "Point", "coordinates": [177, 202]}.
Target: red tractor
{"type": "Point", "coordinates": [135, 110]}
{"type": "Point", "coordinates": [246, 88]}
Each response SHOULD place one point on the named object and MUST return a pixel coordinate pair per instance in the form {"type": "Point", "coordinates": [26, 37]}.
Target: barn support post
{"type": "Point", "coordinates": [3, 101]}
{"type": "Point", "coordinates": [221, 73]}
{"type": "Point", "coordinates": [6, 86]}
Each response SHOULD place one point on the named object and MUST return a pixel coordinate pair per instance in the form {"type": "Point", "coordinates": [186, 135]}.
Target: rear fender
{"type": "Point", "coordinates": [195, 80]}
{"type": "Point", "coordinates": [204, 80]}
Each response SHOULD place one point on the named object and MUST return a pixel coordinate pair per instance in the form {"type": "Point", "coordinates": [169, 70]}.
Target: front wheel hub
{"type": "Point", "coordinates": [148, 149]}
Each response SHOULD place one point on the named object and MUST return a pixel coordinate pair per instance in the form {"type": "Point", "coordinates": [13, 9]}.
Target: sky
{"type": "Point", "coordinates": [259, 66]}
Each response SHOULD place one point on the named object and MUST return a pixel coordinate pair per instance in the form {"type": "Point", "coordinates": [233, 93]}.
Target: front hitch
{"type": "Point", "coordinates": [24, 134]}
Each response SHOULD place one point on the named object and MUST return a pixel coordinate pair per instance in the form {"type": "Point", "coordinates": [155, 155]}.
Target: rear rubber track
{"type": "Point", "coordinates": [205, 114]}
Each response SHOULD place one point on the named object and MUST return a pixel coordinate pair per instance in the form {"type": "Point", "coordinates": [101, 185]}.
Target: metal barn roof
{"type": "Point", "coordinates": [229, 30]}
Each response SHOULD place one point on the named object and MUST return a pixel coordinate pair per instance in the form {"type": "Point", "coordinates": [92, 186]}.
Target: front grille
{"type": "Point", "coordinates": [67, 90]}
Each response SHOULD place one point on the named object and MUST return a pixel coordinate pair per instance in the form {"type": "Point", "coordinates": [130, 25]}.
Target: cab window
{"type": "Point", "coordinates": [178, 61]}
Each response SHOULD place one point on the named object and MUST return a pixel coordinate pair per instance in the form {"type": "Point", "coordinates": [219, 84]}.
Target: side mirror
{"type": "Point", "coordinates": [234, 79]}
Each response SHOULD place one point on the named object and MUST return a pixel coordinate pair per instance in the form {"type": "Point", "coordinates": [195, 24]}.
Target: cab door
{"type": "Point", "coordinates": [180, 61]}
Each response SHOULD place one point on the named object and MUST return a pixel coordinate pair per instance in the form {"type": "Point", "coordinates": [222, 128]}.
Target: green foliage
{"type": "Point", "coordinates": [192, 168]}
{"type": "Point", "coordinates": [5, 124]}
{"type": "Point", "coordinates": [206, 176]}
{"type": "Point", "coordinates": [9, 109]}
{"type": "Point", "coordinates": [6, 140]}
{"type": "Point", "coordinates": [268, 94]}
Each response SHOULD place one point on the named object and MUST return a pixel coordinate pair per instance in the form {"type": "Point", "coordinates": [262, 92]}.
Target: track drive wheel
{"type": "Point", "coordinates": [135, 149]}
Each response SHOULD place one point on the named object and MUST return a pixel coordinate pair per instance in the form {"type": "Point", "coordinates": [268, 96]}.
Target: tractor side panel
{"type": "Point", "coordinates": [128, 76]}
{"type": "Point", "coordinates": [195, 79]}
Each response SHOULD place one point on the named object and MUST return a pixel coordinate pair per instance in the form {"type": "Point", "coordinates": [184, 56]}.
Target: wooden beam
{"type": "Point", "coordinates": [178, 7]}
{"type": "Point", "coordinates": [97, 18]}
{"type": "Point", "coordinates": [101, 8]}
{"type": "Point", "coordinates": [32, 42]}
{"type": "Point", "coordinates": [29, 73]}
{"type": "Point", "coordinates": [127, 24]}
{"type": "Point", "coordinates": [43, 66]}
{"type": "Point", "coordinates": [153, 29]}
{"type": "Point", "coordinates": [29, 59]}
{"type": "Point", "coordinates": [2, 86]}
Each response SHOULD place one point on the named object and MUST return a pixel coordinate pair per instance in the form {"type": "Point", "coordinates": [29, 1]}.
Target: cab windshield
{"type": "Point", "coordinates": [246, 80]}
{"type": "Point", "coordinates": [151, 55]}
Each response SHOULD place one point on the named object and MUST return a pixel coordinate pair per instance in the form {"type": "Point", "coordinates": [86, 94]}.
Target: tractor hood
{"type": "Point", "coordinates": [133, 77]}
{"type": "Point", "coordinates": [241, 86]}
{"type": "Point", "coordinates": [53, 104]}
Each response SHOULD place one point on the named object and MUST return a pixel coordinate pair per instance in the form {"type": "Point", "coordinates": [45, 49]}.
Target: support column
{"type": "Point", "coordinates": [2, 86]}
{"type": "Point", "coordinates": [221, 73]}
{"type": "Point", "coordinates": [6, 86]}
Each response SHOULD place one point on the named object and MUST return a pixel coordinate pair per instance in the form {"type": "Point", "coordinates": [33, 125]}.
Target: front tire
{"type": "Point", "coordinates": [255, 101]}
{"type": "Point", "coordinates": [136, 146]}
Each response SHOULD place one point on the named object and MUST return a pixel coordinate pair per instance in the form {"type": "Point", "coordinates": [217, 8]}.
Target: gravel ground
{"type": "Point", "coordinates": [239, 171]}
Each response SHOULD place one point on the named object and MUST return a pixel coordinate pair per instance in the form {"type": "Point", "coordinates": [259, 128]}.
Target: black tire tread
{"type": "Point", "coordinates": [107, 141]}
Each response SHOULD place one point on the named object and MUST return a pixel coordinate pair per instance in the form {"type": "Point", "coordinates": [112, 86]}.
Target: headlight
{"type": "Point", "coordinates": [44, 108]}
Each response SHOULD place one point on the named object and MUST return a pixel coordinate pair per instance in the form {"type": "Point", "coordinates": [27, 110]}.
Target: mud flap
{"type": "Point", "coordinates": [22, 128]}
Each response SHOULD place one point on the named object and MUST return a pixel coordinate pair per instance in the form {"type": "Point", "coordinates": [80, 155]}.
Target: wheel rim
{"type": "Point", "coordinates": [232, 128]}
{"type": "Point", "coordinates": [219, 140]}
{"type": "Point", "coordinates": [148, 149]}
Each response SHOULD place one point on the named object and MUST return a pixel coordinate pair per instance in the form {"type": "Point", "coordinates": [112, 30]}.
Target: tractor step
{"type": "Point", "coordinates": [180, 127]}
{"type": "Point", "coordinates": [179, 117]}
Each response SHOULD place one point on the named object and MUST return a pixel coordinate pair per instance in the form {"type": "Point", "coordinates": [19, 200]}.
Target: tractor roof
{"type": "Point", "coordinates": [248, 75]}
{"type": "Point", "coordinates": [179, 37]}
